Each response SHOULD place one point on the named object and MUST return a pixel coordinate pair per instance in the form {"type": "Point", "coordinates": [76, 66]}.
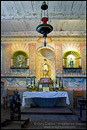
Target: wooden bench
{"type": "Point", "coordinates": [77, 95]}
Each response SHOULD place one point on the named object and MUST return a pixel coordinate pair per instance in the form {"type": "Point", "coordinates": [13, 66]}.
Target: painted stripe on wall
{"type": "Point", "coordinates": [7, 58]}
{"type": "Point", "coordinates": [2, 58]}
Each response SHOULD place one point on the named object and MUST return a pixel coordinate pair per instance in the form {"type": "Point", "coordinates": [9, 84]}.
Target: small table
{"type": "Point", "coordinates": [81, 103]}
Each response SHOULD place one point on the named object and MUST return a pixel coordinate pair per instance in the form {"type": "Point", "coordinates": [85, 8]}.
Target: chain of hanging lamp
{"type": "Point", "coordinates": [44, 28]}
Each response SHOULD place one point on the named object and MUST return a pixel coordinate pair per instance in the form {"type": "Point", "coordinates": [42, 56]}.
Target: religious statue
{"type": "Point", "coordinates": [71, 63]}
{"type": "Point", "coordinates": [45, 68]}
{"type": "Point", "coordinates": [20, 61]}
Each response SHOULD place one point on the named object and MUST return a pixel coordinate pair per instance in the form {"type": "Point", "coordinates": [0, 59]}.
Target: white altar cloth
{"type": "Point", "coordinates": [45, 95]}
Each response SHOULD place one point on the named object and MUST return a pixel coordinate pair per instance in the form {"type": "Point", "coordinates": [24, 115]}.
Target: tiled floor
{"type": "Point", "coordinates": [44, 121]}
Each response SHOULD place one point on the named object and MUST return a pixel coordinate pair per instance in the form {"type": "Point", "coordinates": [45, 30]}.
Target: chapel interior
{"type": "Point", "coordinates": [43, 63]}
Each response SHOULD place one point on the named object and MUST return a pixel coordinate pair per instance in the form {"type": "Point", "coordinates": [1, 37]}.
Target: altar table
{"type": "Point", "coordinates": [46, 96]}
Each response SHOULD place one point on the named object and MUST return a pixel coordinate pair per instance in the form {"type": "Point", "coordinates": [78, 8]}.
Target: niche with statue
{"type": "Point", "coordinates": [71, 62]}
{"type": "Point", "coordinates": [20, 59]}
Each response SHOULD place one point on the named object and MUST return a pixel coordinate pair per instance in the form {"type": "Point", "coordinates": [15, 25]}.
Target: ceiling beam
{"type": "Point", "coordinates": [52, 34]}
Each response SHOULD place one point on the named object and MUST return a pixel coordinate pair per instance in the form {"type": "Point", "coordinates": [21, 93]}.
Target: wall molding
{"type": "Point", "coordinates": [29, 40]}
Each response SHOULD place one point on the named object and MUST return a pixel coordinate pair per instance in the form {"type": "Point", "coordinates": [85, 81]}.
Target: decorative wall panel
{"type": "Point", "coordinates": [74, 82]}
{"type": "Point", "coordinates": [20, 46]}
{"type": "Point", "coordinates": [83, 54]}
{"type": "Point", "coordinates": [32, 59]}
{"type": "Point", "coordinates": [70, 47]}
{"type": "Point", "coordinates": [21, 72]}
{"type": "Point", "coordinates": [58, 55]}
{"type": "Point", "coordinates": [52, 63]}
{"type": "Point", "coordinates": [38, 68]}
{"type": "Point", "coordinates": [2, 58]}
{"type": "Point", "coordinates": [16, 82]}
{"type": "Point", "coordinates": [7, 64]}
{"type": "Point", "coordinates": [67, 82]}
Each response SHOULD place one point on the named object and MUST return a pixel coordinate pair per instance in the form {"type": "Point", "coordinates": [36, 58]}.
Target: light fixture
{"type": "Point", "coordinates": [44, 28]}
{"type": "Point", "coordinates": [41, 40]}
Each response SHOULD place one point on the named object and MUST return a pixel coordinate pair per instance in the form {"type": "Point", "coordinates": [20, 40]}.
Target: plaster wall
{"type": "Point", "coordinates": [30, 45]}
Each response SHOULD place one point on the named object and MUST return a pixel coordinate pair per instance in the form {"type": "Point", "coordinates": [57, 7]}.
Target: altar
{"type": "Point", "coordinates": [44, 99]}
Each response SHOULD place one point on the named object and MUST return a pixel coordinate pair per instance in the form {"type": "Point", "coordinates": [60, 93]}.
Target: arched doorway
{"type": "Point", "coordinates": [45, 57]}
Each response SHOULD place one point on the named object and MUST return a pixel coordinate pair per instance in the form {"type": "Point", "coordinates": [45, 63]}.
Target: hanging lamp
{"type": "Point", "coordinates": [44, 28]}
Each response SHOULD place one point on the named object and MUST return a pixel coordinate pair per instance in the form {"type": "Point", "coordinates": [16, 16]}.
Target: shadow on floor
{"type": "Point", "coordinates": [47, 121]}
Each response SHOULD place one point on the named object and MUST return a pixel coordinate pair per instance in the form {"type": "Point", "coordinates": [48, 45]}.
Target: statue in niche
{"type": "Point", "coordinates": [71, 62]}
{"type": "Point", "coordinates": [45, 69]}
{"type": "Point", "coordinates": [20, 61]}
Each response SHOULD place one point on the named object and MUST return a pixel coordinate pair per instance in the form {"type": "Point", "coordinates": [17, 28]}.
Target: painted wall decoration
{"type": "Point", "coordinates": [58, 56]}
{"type": "Point", "coordinates": [74, 82]}
{"type": "Point", "coordinates": [7, 64]}
{"type": "Point", "coordinates": [67, 82]}
{"type": "Point", "coordinates": [2, 58]}
{"type": "Point", "coordinates": [32, 59]}
{"type": "Point", "coordinates": [39, 72]}
{"type": "Point", "coordinates": [21, 72]}
{"type": "Point", "coordinates": [16, 82]}
{"type": "Point", "coordinates": [70, 46]}
{"type": "Point", "coordinates": [20, 46]}
{"type": "Point", "coordinates": [83, 54]}
{"type": "Point", "coordinates": [52, 64]}
{"type": "Point", "coordinates": [35, 62]}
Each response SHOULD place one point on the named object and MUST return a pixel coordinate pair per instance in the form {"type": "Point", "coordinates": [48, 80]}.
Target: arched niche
{"type": "Point", "coordinates": [71, 59]}
{"type": "Point", "coordinates": [42, 55]}
{"type": "Point", "coordinates": [19, 59]}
